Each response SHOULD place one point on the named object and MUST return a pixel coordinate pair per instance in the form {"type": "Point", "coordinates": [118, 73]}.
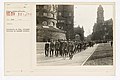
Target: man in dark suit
{"type": "Point", "coordinates": [52, 48]}
{"type": "Point", "coordinates": [61, 45]}
{"type": "Point", "coordinates": [57, 47]}
{"type": "Point", "coordinates": [46, 49]}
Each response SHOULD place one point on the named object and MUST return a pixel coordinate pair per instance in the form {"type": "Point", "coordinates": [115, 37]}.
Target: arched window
{"type": "Point", "coordinates": [51, 23]}
{"type": "Point", "coordinates": [51, 15]}
{"type": "Point", "coordinates": [44, 23]}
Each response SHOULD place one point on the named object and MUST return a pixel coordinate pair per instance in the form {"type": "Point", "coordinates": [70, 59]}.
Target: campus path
{"type": "Point", "coordinates": [77, 60]}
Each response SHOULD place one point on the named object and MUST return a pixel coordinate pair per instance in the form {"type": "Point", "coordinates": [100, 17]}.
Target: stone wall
{"type": "Point", "coordinates": [43, 35]}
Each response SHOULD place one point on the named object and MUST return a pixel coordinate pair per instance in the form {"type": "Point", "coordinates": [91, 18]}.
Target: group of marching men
{"type": "Point", "coordinates": [65, 48]}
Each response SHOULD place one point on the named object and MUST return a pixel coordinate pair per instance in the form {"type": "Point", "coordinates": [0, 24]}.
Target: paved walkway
{"type": "Point", "coordinates": [78, 59]}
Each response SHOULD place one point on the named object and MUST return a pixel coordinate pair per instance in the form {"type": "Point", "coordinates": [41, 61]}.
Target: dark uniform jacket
{"type": "Point", "coordinates": [47, 46]}
{"type": "Point", "coordinates": [57, 45]}
{"type": "Point", "coordinates": [52, 46]}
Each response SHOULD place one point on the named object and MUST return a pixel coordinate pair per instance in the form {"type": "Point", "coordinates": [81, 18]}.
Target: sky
{"type": "Point", "coordinates": [86, 15]}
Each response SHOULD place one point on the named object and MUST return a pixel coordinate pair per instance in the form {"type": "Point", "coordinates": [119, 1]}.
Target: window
{"type": "Point", "coordinates": [62, 21]}
{"type": "Point", "coordinates": [62, 27]}
{"type": "Point", "coordinates": [44, 14]}
{"type": "Point", "coordinates": [70, 14]}
{"type": "Point", "coordinates": [51, 23]}
{"type": "Point", "coordinates": [45, 6]}
{"type": "Point", "coordinates": [69, 22]}
{"type": "Point", "coordinates": [44, 23]}
{"type": "Point", "coordinates": [59, 14]}
{"type": "Point", "coordinates": [59, 27]}
{"type": "Point", "coordinates": [105, 28]}
{"type": "Point", "coordinates": [58, 20]}
{"type": "Point", "coordinates": [51, 15]}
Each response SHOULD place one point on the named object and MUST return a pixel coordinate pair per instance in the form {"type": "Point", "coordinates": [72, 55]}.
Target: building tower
{"type": "Point", "coordinates": [102, 30]}
{"type": "Point", "coordinates": [46, 20]}
{"type": "Point", "coordinates": [100, 15]}
{"type": "Point", "coordinates": [46, 15]}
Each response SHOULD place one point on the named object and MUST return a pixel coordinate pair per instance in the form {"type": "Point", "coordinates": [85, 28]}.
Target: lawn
{"type": "Point", "coordinates": [103, 55]}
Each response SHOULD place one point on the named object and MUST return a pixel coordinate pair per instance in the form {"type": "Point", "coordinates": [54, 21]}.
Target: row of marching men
{"type": "Point", "coordinates": [65, 48]}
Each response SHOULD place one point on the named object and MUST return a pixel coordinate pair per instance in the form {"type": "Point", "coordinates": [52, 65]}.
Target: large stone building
{"type": "Point", "coordinates": [65, 20]}
{"type": "Point", "coordinates": [102, 30]}
{"type": "Point", "coordinates": [46, 19]}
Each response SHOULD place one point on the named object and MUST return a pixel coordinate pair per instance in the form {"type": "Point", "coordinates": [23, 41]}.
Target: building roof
{"type": "Point", "coordinates": [100, 7]}
{"type": "Point", "coordinates": [109, 22]}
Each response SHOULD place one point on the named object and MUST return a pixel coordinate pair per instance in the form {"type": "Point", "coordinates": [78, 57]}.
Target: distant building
{"type": "Point", "coordinates": [65, 20]}
{"type": "Point", "coordinates": [79, 32]}
{"type": "Point", "coordinates": [46, 20]}
{"type": "Point", "coordinates": [102, 30]}
{"type": "Point", "coordinates": [88, 38]}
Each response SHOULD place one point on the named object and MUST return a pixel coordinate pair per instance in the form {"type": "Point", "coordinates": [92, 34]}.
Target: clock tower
{"type": "Point", "coordinates": [100, 15]}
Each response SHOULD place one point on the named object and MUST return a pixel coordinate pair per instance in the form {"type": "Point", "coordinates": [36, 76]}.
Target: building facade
{"type": "Point", "coordinates": [46, 20]}
{"type": "Point", "coordinates": [102, 30]}
{"type": "Point", "coordinates": [65, 20]}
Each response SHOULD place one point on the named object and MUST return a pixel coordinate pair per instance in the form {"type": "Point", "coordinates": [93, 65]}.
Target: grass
{"type": "Point", "coordinates": [103, 55]}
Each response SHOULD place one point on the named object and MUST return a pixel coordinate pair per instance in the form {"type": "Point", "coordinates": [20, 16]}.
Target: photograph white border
{"type": "Point", "coordinates": [116, 77]}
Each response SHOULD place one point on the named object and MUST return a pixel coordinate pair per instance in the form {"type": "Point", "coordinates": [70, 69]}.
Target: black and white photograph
{"type": "Point", "coordinates": [74, 35]}
{"type": "Point", "coordinates": [61, 38]}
